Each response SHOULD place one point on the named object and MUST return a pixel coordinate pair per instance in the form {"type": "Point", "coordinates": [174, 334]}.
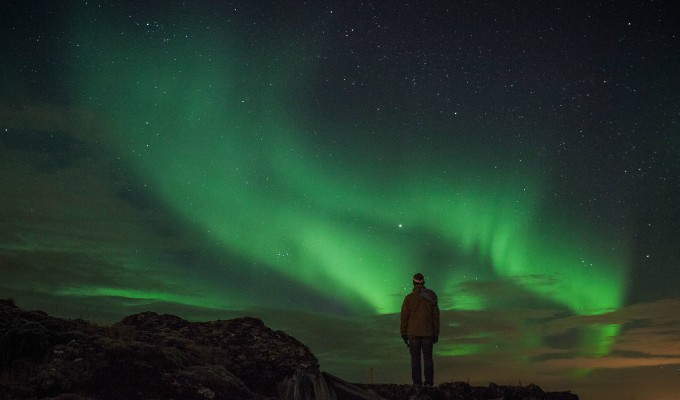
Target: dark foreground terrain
{"type": "Point", "coordinates": [151, 356]}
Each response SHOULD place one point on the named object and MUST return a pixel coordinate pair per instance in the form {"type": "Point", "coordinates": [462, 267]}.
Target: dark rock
{"type": "Point", "coordinates": [152, 356]}
{"type": "Point", "coordinates": [463, 391]}
{"type": "Point", "coordinates": [260, 357]}
{"type": "Point", "coordinates": [152, 322]}
{"type": "Point", "coordinates": [7, 303]}
{"type": "Point", "coordinates": [144, 356]}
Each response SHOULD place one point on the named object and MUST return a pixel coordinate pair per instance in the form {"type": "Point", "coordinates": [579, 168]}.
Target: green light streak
{"type": "Point", "coordinates": [465, 346]}
{"type": "Point", "coordinates": [599, 338]}
{"type": "Point", "coordinates": [460, 350]}
{"type": "Point", "coordinates": [150, 296]}
{"type": "Point", "coordinates": [215, 137]}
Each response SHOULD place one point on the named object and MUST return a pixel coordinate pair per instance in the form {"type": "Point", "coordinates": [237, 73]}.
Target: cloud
{"type": "Point", "coordinates": [614, 362]}
{"type": "Point", "coordinates": [521, 340]}
{"type": "Point", "coordinates": [651, 328]}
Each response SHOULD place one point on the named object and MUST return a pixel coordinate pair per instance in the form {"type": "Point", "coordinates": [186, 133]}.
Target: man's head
{"type": "Point", "coordinates": [418, 279]}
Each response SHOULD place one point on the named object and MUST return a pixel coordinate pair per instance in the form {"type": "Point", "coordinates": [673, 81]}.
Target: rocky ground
{"type": "Point", "coordinates": [151, 356]}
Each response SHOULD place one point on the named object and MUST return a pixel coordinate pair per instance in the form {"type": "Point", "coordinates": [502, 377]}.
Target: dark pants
{"type": "Point", "coordinates": [418, 345]}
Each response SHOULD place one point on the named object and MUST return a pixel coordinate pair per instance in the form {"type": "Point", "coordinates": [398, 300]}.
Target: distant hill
{"type": "Point", "coordinates": [152, 356]}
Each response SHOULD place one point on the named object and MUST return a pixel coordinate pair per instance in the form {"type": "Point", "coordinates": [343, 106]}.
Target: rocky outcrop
{"type": "Point", "coordinates": [151, 356]}
{"type": "Point", "coordinates": [145, 356]}
{"type": "Point", "coordinates": [463, 391]}
{"type": "Point", "coordinates": [260, 357]}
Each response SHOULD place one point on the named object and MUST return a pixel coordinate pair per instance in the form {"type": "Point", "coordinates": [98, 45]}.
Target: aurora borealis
{"type": "Point", "coordinates": [300, 162]}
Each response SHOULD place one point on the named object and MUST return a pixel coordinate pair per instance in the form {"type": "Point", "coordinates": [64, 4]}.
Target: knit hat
{"type": "Point", "coordinates": [418, 279]}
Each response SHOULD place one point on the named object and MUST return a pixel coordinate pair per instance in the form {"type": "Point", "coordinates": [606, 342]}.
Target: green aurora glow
{"type": "Point", "coordinates": [216, 129]}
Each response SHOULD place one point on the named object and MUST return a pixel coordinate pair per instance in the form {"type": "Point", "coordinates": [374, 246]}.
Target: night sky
{"type": "Point", "coordinates": [300, 161]}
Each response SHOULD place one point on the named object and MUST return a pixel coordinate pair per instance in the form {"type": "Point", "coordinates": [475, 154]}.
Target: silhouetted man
{"type": "Point", "coordinates": [420, 328]}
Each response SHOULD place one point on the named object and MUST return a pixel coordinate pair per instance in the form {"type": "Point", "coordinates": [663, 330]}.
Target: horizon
{"type": "Point", "coordinates": [481, 360]}
{"type": "Point", "coordinates": [304, 161]}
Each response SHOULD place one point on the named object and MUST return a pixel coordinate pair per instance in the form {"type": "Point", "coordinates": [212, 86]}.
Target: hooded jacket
{"type": "Point", "coordinates": [420, 313]}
